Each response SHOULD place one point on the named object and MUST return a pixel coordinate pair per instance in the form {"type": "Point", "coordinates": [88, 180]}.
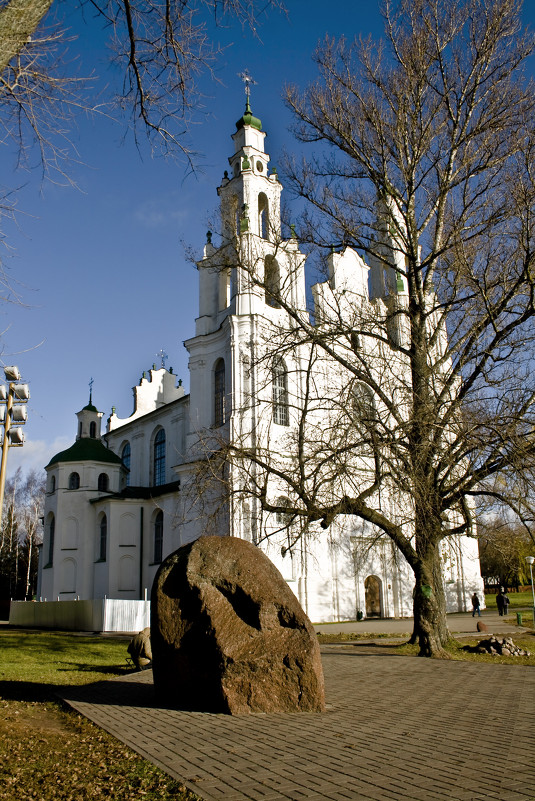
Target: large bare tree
{"type": "Point", "coordinates": [158, 47]}
{"type": "Point", "coordinates": [424, 165]}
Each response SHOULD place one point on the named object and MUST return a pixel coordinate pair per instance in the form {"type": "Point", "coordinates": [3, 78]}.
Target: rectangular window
{"type": "Point", "coordinates": [281, 414]}
{"type": "Point", "coordinates": [219, 394]}
{"type": "Point", "coordinates": [158, 538]}
{"type": "Point", "coordinates": [159, 458]}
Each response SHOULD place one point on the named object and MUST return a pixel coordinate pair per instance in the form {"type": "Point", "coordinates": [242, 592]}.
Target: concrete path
{"type": "Point", "coordinates": [459, 623]}
{"type": "Point", "coordinates": [396, 729]}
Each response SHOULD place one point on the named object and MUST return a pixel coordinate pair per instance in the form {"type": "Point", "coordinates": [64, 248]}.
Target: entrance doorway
{"type": "Point", "coordinates": [372, 589]}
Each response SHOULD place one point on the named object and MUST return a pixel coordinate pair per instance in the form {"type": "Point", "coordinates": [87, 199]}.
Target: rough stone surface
{"type": "Point", "coordinates": [228, 634]}
{"type": "Point", "coordinates": [140, 650]}
{"type": "Point", "coordinates": [500, 646]}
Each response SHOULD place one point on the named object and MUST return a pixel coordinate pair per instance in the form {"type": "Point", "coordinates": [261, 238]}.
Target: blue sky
{"type": "Point", "coordinates": [102, 270]}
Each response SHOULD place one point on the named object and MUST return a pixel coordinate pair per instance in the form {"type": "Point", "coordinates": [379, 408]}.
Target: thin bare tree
{"type": "Point", "coordinates": [20, 535]}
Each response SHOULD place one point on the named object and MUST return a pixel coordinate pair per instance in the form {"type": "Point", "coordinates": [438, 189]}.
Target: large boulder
{"type": "Point", "coordinates": [228, 635]}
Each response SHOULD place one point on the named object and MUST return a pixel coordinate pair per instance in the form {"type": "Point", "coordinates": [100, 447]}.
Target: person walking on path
{"type": "Point", "coordinates": [502, 602]}
{"type": "Point", "coordinates": [506, 603]}
{"type": "Point", "coordinates": [475, 605]}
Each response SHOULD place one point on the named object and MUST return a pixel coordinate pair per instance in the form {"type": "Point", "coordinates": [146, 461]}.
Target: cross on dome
{"type": "Point", "coordinates": [248, 80]}
{"type": "Point", "coordinates": [163, 356]}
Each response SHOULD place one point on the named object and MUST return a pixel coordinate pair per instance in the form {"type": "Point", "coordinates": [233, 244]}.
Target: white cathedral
{"type": "Point", "coordinates": [117, 503]}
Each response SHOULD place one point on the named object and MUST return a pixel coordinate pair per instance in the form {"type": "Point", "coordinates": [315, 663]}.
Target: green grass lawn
{"type": "Point", "coordinates": [50, 658]}
{"type": "Point", "coordinates": [47, 751]}
{"type": "Point", "coordinates": [517, 599]}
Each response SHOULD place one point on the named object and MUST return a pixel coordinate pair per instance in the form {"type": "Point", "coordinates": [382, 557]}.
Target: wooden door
{"type": "Point", "coordinates": [372, 588]}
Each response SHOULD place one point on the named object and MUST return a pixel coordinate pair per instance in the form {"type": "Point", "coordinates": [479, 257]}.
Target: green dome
{"type": "Point", "coordinates": [86, 450]}
{"type": "Point", "coordinates": [90, 408]}
{"type": "Point", "coordinates": [248, 119]}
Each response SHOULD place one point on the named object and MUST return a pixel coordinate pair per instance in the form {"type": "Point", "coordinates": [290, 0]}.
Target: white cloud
{"type": "Point", "coordinates": [35, 454]}
{"type": "Point", "coordinates": [158, 212]}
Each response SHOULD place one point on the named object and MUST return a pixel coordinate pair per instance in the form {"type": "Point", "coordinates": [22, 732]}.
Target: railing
{"type": "Point", "coordinates": [103, 614]}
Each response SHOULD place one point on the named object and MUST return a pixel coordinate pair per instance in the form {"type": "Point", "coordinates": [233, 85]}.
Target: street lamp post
{"type": "Point", "coordinates": [530, 560]}
{"type": "Point", "coordinates": [11, 413]}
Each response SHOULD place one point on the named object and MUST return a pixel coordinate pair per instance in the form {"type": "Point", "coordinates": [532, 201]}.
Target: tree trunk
{"type": "Point", "coordinates": [430, 625]}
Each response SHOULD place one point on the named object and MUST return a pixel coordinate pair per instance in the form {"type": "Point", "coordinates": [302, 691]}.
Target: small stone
{"type": "Point", "coordinates": [506, 652]}
{"type": "Point", "coordinates": [139, 649]}
{"type": "Point", "coordinates": [481, 626]}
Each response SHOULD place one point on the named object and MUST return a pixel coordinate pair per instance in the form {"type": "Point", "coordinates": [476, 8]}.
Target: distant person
{"type": "Point", "coordinates": [475, 605]}
{"type": "Point", "coordinates": [500, 603]}
{"type": "Point", "coordinates": [506, 603]}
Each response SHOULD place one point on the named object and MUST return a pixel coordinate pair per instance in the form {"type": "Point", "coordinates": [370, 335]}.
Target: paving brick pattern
{"type": "Point", "coordinates": [396, 728]}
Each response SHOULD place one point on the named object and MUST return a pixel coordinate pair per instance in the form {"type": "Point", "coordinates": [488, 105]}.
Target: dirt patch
{"type": "Point", "coordinates": [39, 718]}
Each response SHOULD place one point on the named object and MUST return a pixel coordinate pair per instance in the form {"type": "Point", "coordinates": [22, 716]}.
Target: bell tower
{"type": "Point", "coordinates": [245, 280]}
{"type": "Point", "coordinates": [89, 419]}
{"type": "Point", "coordinates": [250, 195]}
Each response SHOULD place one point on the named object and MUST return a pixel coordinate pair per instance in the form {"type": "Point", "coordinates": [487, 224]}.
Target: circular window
{"type": "Point", "coordinates": [259, 166]}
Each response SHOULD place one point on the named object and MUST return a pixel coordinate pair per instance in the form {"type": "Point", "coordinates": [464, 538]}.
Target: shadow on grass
{"type": "Point", "coordinates": [30, 691]}
{"type": "Point", "coordinates": [111, 670]}
{"type": "Point", "coordinates": [34, 691]}
{"type": "Point", "coordinates": [103, 693]}
{"type": "Point", "coordinates": [367, 648]}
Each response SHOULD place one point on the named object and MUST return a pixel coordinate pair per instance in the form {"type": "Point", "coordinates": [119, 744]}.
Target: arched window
{"type": "Point", "coordinates": [263, 216]}
{"type": "Point", "coordinates": [51, 537]}
{"type": "Point", "coordinates": [103, 538]}
{"type": "Point", "coordinates": [224, 288]}
{"type": "Point", "coordinates": [219, 394]}
{"type": "Point", "coordinates": [279, 379]}
{"type": "Point", "coordinates": [158, 538]}
{"type": "Point", "coordinates": [364, 404]}
{"type": "Point", "coordinates": [52, 484]}
{"type": "Point", "coordinates": [159, 458]}
{"type": "Point", "coordinates": [233, 210]}
{"type": "Point", "coordinates": [68, 576]}
{"type": "Point", "coordinates": [103, 482]}
{"type": "Point", "coordinates": [74, 481]}
{"type": "Point", "coordinates": [125, 457]}
{"type": "Point", "coordinates": [272, 280]}
{"type": "Point", "coordinates": [92, 429]}
{"type": "Point", "coordinates": [283, 518]}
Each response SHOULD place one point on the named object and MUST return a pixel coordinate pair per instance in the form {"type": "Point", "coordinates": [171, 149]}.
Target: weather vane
{"type": "Point", "coordinates": [163, 356]}
{"type": "Point", "coordinates": [248, 80]}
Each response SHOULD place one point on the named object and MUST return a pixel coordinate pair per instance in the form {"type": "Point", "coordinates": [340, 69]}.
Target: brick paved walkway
{"type": "Point", "coordinates": [396, 728]}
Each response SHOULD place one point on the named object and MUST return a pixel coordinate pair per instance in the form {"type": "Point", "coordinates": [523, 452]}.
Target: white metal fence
{"type": "Point", "coordinates": [103, 614]}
